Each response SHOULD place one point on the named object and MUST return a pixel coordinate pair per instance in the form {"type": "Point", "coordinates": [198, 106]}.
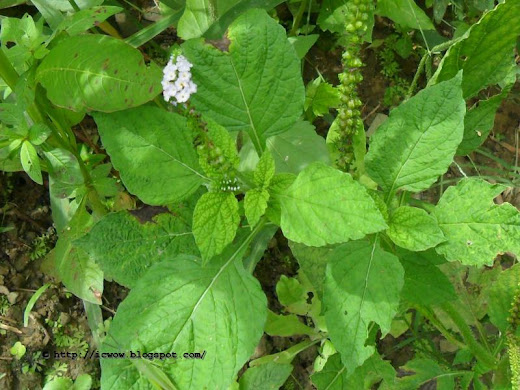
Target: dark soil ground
{"type": "Point", "coordinates": [58, 321]}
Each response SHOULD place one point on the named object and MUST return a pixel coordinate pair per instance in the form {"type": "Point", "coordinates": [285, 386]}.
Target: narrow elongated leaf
{"type": "Point", "coordinates": [85, 19]}
{"type": "Point", "coordinates": [486, 54]}
{"type": "Point", "coordinates": [98, 72]}
{"type": "Point", "coordinates": [325, 206]}
{"type": "Point", "coordinates": [267, 376]}
{"type": "Point", "coordinates": [476, 229]}
{"type": "Point", "coordinates": [362, 285]}
{"type": "Point", "coordinates": [215, 222]}
{"type": "Point", "coordinates": [78, 272]}
{"type": "Point", "coordinates": [218, 309]}
{"type": "Point", "coordinates": [152, 149]}
{"type": "Point", "coordinates": [414, 229]}
{"type": "Point", "coordinates": [256, 86]}
{"type": "Point", "coordinates": [124, 248]}
{"type": "Point", "coordinates": [31, 162]}
{"type": "Point", "coordinates": [416, 144]}
{"type": "Point", "coordinates": [478, 123]}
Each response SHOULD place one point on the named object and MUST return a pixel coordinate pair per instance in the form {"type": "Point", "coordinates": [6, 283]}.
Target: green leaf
{"type": "Point", "coordinates": [255, 204]}
{"type": "Point", "coordinates": [219, 309]}
{"type": "Point", "coordinates": [362, 285]}
{"type": "Point", "coordinates": [264, 171]}
{"type": "Point", "coordinates": [486, 54]}
{"type": "Point", "coordinates": [78, 272]}
{"type": "Point", "coordinates": [18, 350]}
{"type": "Point", "coordinates": [66, 174]}
{"type": "Point", "coordinates": [427, 370]}
{"type": "Point", "coordinates": [261, 66]}
{"type": "Point", "coordinates": [292, 295]}
{"type": "Point", "coordinates": [269, 376]}
{"type": "Point", "coordinates": [303, 43]}
{"type": "Point", "coordinates": [320, 97]}
{"type": "Point", "coordinates": [297, 148]}
{"type": "Point", "coordinates": [85, 19]}
{"type": "Point", "coordinates": [478, 123]}
{"type": "Point", "coordinates": [38, 133]}
{"type": "Point", "coordinates": [326, 206]}
{"type": "Point", "coordinates": [98, 72]}
{"type": "Point", "coordinates": [286, 325]}
{"type": "Point", "coordinates": [335, 376]}
{"type": "Point", "coordinates": [405, 13]}
{"type": "Point", "coordinates": [476, 228]}
{"type": "Point", "coordinates": [125, 248]}
{"type": "Point", "coordinates": [218, 29]}
{"type": "Point", "coordinates": [313, 262]}
{"type": "Point", "coordinates": [501, 294]}
{"type": "Point", "coordinates": [152, 149]}
{"type": "Point", "coordinates": [416, 144]}
{"type": "Point", "coordinates": [414, 229]}
{"type": "Point", "coordinates": [424, 283]}
{"type": "Point", "coordinates": [223, 147]}
{"type": "Point", "coordinates": [215, 222]}
{"type": "Point", "coordinates": [31, 162]}
{"type": "Point", "coordinates": [199, 15]}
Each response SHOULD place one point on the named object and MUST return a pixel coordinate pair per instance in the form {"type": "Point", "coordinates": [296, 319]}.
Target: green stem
{"type": "Point", "coordinates": [481, 353]}
{"type": "Point", "coordinates": [297, 19]}
{"type": "Point", "coordinates": [440, 327]}
{"type": "Point", "coordinates": [415, 80]}
{"type": "Point", "coordinates": [7, 72]}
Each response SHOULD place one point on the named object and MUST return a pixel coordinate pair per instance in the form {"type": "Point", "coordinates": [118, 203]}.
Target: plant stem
{"type": "Point", "coordinates": [440, 327]}
{"type": "Point", "coordinates": [297, 19]}
{"type": "Point", "coordinates": [422, 204]}
{"type": "Point", "coordinates": [482, 354]}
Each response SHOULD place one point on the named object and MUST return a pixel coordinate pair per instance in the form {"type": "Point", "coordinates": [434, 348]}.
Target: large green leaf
{"type": "Point", "coordinates": [125, 248]}
{"type": "Point", "coordinates": [417, 142]}
{"type": "Point", "coordinates": [362, 285]}
{"type": "Point", "coordinates": [180, 306]}
{"type": "Point", "coordinates": [153, 151]}
{"type": "Point", "coordinates": [98, 72]}
{"type": "Point", "coordinates": [297, 148]}
{"type": "Point", "coordinates": [424, 283]}
{"type": "Point", "coordinates": [335, 376]}
{"type": "Point", "coordinates": [326, 206]}
{"type": "Point", "coordinates": [269, 376]}
{"type": "Point", "coordinates": [215, 222]}
{"type": "Point", "coordinates": [501, 294]}
{"type": "Point", "coordinates": [487, 53]}
{"type": "Point", "coordinates": [199, 15]}
{"type": "Point", "coordinates": [256, 86]}
{"type": "Point", "coordinates": [476, 228]}
{"type": "Point", "coordinates": [414, 229]}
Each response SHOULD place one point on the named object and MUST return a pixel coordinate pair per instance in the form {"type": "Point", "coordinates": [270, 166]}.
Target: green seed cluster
{"type": "Point", "coordinates": [349, 114]}
{"type": "Point", "coordinates": [513, 344]}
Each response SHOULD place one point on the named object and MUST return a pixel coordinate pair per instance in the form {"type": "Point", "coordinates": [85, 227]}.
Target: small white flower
{"type": "Point", "coordinates": [177, 84]}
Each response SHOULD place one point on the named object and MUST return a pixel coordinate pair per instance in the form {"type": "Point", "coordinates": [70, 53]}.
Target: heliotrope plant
{"type": "Point", "coordinates": [233, 161]}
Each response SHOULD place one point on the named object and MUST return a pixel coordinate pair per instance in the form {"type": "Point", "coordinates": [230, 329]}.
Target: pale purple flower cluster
{"type": "Point", "coordinates": [177, 83]}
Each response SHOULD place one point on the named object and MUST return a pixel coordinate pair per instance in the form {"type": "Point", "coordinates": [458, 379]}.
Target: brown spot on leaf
{"type": "Point", "coordinates": [221, 44]}
{"type": "Point", "coordinates": [150, 90]}
{"type": "Point", "coordinates": [147, 213]}
{"type": "Point", "coordinates": [105, 64]}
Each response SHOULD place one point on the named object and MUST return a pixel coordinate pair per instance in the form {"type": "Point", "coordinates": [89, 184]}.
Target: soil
{"type": "Point", "coordinates": [57, 314]}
